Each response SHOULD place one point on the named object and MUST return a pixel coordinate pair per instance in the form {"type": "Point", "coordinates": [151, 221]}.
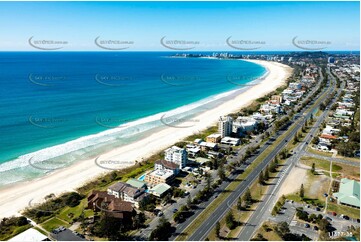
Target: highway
{"type": "Point", "coordinates": [204, 229]}
{"type": "Point", "coordinates": [270, 199]}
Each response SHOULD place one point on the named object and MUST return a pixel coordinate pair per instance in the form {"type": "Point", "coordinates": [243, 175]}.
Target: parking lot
{"type": "Point", "coordinates": [288, 212]}
{"type": "Point", "coordinates": [63, 234]}
{"type": "Point", "coordinates": [300, 228]}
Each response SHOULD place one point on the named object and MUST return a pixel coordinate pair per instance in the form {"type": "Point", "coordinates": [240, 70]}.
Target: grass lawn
{"type": "Point", "coordinates": [268, 232]}
{"type": "Point", "coordinates": [70, 213]}
{"type": "Point", "coordinates": [346, 170]}
{"type": "Point", "coordinates": [53, 224]}
{"type": "Point", "coordinates": [341, 209]}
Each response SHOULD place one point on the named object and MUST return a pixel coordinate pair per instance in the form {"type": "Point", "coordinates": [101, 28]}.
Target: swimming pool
{"type": "Point", "coordinates": [142, 177]}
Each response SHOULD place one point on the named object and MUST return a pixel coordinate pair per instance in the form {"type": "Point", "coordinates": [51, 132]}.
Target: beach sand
{"type": "Point", "coordinates": [18, 196]}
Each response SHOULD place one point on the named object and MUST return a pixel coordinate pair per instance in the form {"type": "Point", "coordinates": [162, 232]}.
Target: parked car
{"type": "Point", "coordinates": [325, 195]}
{"type": "Point", "coordinates": [160, 214]}
{"type": "Point", "coordinates": [175, 210]}
{"type": "Point", "coordinates": [307, 225]}
{"type": "Point", "coordinates": [318, 209]}
{"type": "Point", "coordinates": [315, 227]}
{"type": "Point", "coordinates": [334, 213]}
{"type": "Point", "coordinates": [328, 218]}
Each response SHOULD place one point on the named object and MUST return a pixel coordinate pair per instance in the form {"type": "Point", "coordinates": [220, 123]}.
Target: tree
{"type": "Point", "coordinates": [266, 174]}
{"type": "Point", "coordinates": [189, 202]}
{"type": "Point", "coordinates": [260, 178]}
{"type": "Point", "coordinates": [273, 167]}
{"type": "Point", "coordinates": [162, 232]}
{"type": "Point", "coordinates": [139, 220]}
{"type": "Point", "coordinates": [295, 139]}
{"type": "Point", "coordinates": [276, 160]}
{"type": "Point", "coordinates": [324, 225]}
{"type": "Point", "coordinates": [282, 229]}
{"type": "Point", "coordinates": [221, 173]}
{"type": "Point", "coordinates": [218, 229]}
{"type": "Point", "coordinates": [208, 181]}
{"type": "Point", "coordinates": [302, 192]}
{"type": "Point", "coordinates": [313, 169]}
{"type": "Point", "coordinates": [247, 197]}
{"type": "Point", "coordinates": [239, 204]}
{"type": "Point", "coordinates": [230, 220]}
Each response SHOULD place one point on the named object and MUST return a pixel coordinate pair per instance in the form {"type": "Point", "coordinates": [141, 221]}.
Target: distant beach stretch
{"type": "Point", "coordinates": [69, 178]}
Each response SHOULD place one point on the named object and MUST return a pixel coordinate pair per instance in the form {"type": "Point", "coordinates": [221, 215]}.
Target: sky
{"type": "Point", "coordinates": [137, 26]}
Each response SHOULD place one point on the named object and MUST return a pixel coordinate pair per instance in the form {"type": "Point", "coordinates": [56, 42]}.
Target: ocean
{"type": "Point", "coordinates": [60, 107]}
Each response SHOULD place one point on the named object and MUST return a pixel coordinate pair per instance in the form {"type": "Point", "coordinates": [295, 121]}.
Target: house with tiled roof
{"type": "Point", "coordinates": [110, 205]}
{"type": "Point", "coordinates": [127, 192]}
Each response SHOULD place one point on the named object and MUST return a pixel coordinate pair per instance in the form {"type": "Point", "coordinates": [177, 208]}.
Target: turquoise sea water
{"type": "Point", "coordinates": [65, 106]}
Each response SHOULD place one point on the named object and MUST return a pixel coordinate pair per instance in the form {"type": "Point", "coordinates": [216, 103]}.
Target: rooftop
{"type": "Point", "coordinates": [29, 235]}
{"type": "Point", "coordinates": [136, 183]}
{"type": "Point", "coordinates": [349, 192]}
{"type": "Point", "coordinates": [160, 188]}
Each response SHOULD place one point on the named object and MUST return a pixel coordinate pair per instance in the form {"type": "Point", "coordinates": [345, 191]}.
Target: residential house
{"type": "Point", "coordinates": [159, 176]}
{"type": "Point", "coordinates": [110, 205]}
{"type": "Point", "coordinates": [213, 138]}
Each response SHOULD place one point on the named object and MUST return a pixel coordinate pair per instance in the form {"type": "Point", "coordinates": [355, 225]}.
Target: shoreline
{"type": "Point", "coordinates": [13, 198]}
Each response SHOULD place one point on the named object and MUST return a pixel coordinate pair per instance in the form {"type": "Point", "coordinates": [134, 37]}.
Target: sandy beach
{"type": "Point", "coordinates": [16, 197]}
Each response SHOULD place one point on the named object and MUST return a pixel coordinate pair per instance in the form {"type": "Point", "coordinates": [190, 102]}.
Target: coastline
{"type": "Point", "coordinates": [13, 198]}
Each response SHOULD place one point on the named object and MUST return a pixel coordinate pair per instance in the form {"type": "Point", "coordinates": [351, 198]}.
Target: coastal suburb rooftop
{"type": "Point", "coordinates": [349, 193]}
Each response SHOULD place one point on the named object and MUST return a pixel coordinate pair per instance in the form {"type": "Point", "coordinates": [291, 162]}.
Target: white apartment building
{"type": "Point", "coordinates": [225, 126]}
{"type": "Point", "coordinates": [176, 155]}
